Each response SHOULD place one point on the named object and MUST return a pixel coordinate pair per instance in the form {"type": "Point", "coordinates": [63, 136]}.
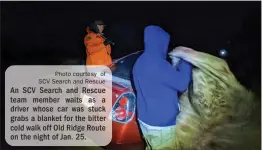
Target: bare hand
{"type": "Point", "coordinates": [182, 49]}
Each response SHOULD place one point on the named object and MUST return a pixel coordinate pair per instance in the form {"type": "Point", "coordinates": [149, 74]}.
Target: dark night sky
{"type": "Point", "coordinates": [52, 32]}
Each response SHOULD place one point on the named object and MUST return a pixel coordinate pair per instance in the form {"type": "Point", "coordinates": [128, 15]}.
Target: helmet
{"type": "Point", "coordinates": [93, 26]}
{"type": "Point", "coordinates": [99, 22]}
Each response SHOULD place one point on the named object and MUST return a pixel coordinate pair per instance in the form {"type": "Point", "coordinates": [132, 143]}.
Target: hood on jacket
{"type": "Point", "coordinates": [156, 41]}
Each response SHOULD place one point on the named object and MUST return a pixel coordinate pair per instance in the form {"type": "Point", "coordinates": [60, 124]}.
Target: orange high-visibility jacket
{"type": "Point", "coordinates": [97, 52]}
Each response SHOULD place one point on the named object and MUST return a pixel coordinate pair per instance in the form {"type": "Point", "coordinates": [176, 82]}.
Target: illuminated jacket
{"type": "Point", "coordinates": [97, 52]}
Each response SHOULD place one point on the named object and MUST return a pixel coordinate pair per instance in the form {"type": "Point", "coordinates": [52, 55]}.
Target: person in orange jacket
{"type": "Point", "coordinates": [98, 48]}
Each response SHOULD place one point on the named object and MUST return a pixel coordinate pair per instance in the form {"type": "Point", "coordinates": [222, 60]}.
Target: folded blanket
{"type": "Point", "coordinates": [217, 112]}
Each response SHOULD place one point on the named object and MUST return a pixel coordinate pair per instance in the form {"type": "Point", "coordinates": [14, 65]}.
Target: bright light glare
{"type": "Point", "coordinates": [223, 53]}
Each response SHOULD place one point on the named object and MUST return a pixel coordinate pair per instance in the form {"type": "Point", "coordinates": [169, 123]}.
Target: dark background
{"type": "Point", "coordinates": [47, 33]}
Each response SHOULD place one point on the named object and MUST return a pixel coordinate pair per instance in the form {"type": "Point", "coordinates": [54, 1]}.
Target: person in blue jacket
{"type": "Point", "coordinates": [157, 84]}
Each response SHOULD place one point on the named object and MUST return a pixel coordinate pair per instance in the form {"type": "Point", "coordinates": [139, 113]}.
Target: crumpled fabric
{"type": "Point", "coordinates": [217, 112]}
{"type": "Point", "coordinates": [158, 137]}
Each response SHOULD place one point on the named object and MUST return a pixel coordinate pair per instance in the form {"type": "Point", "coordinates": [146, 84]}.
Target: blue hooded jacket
{"type": "Point", "coordinates": [157, 82]}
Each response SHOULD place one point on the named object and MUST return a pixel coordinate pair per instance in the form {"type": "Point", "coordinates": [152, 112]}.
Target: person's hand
{"type": "Point", "coordinates": [175, 61]}
{"type": "Point", "coordinates": [107, 42]}
{"type": "Point", "coordinates": [182, 49]}
{"type": "Point", "coordinates": [180, 52]}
